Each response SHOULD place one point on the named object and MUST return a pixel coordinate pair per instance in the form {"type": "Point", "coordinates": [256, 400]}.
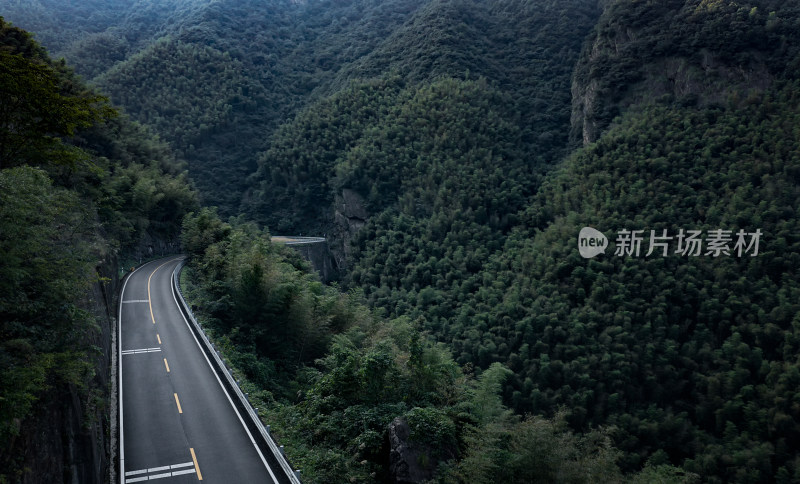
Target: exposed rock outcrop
{"type": "Point", "coordinates": [153, 246]}
{"type": "Point", "coordinates": [405, 458]}
{"type": "Point", "coordinates": [320, 257]}
{"type": "Point", "coordinates": [410, 461]}
{"type": "Point", "coordinates": [631, 59]}
{"type": "Point", "coordinates": [350, 214]}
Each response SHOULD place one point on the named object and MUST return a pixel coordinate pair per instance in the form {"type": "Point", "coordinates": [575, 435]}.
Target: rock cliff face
{"type": "Point", "coordinates": [68, 440]}
{"type": "Point", "coordinates": [412, 462]}
{"type": "Point", "coordinates": [633, 58]}
{"type": "Point", "coordinates": [405, 458]}
{"type": "Point", "coordinates": [350, 214]}
{"type": "Point", "coordinates": [150, 247]}
{"type": "Point", "coordinates": [321, 259]}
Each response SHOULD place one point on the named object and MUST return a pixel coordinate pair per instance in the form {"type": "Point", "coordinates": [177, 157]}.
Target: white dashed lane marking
{"type": "Point", "coordinates": [143, 350]}
{"type": "Point", "coordinates": [174, 470]}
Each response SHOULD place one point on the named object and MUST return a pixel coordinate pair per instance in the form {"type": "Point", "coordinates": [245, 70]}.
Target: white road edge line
{"type": "Point", "coordinates": [252, 440]}
{"type": "Point", "coordinates": [122, 479]}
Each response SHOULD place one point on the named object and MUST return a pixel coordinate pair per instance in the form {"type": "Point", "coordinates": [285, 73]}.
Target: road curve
{"type": "Point", "coordinates": [177, 423]}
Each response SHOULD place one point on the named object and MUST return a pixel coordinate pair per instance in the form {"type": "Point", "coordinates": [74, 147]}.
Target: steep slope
{"type": "Point", "coordinates": [284, 55]}
{"type": "Point", "coordinates": [525, 48]}
{"type": "Point", "coordinates": [273, 53]}
{"type": "Point", "coordinates": [455, 147]}
{"type": "Point", "coordinates": [706, 52]}
{"type": "Point", "coordinates": [422, 135]}
{"type": "Point", "coordinates": [57, 27]}
{"type": "Point", "coordinates": [212, 126]}
{"type": "Point", "coordinates": [94, 35]}
{"type": "Point", "coordinates": [691, 358]}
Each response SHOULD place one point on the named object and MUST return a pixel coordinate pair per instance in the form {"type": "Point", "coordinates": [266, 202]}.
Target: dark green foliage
{"type": "Point", "coordinates": [255, 295]}
{"type": "Point", "coordinates": [37, 109]}
{"type": "Point", "coordinates": [67, 26]}
{"type": "Point", "coordinates": [536, 450]}
{"type": "Point", "coordinates": [526, 49]}
{"type": "Point", "coordinates": [210, 126]}
{"type": "Point", "coordinates": [330, 377]}
{"type": "Point", "coordinates": [44, 275]}
{"type": "Point", "coordinates": [661, 348]}
{"type": "Point", "coordinates": [451, 149]}
{"type": "Point", "coordinates": [217, 80]}
{"type": "Point", "coordinates": [687, 355]}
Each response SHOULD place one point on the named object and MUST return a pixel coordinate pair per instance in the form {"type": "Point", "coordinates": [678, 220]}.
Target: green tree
{"type": "Point", "coordinates": [37, 112]}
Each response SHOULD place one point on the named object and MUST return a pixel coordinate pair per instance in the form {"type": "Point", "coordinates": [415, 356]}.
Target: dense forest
{"type": "Point", "coordinates": [452, 150]}
{"type": "Point", "coordinates": [333, 378]}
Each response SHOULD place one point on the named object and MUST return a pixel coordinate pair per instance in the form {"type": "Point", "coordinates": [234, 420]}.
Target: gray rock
{"type": "Point", "coordinates": [409, 463]}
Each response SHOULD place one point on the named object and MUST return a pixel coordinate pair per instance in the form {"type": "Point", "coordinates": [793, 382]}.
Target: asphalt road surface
{"type": "Point", "coordinates": [178, 424]}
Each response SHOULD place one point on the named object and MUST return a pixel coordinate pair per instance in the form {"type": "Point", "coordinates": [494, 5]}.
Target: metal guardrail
{"type": "Point", "coordinates": [292, 240]}
{"type": "Point", "coordinates": [267, 443]}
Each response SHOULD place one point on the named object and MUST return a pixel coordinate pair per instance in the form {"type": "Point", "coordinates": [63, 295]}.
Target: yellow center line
{"type": "Point", "coordinates": [196, 467]}
{"type": "Point", "coordinates": [178, 402]}
{"type": "Point", "coordinates": [159, 338]}
{"type": "Point", "coordinates": [167, 365]}
{"type": "Point", "coordinates": [149, 299]}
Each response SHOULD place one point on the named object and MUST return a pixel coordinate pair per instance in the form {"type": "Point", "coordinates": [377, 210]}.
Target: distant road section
{"type": "Point", "coordinates": [291, 240]}
{"type": "Point", "coordinates": [177, 422]}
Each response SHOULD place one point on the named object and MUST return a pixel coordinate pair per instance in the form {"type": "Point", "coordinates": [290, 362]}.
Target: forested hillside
{"type": "Point", "coordinates": [220, 78]}
{"type": "Point", "coordinates": [686, 357]}
{"type": "Point", "coordinates": [453, 140]}
{"type": "Point", "coordinates": [271, 57]}
{"type": "Point", "coordinates": [358, 398]}
{"type": "Point", "coordinates": [80, 188]}
{"type": "Point", "coordinates": [452, 150]}
{"type": "Point", "coordinates": [689, 358]}
{"type": "Point", "coordinates": [94, 35]}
